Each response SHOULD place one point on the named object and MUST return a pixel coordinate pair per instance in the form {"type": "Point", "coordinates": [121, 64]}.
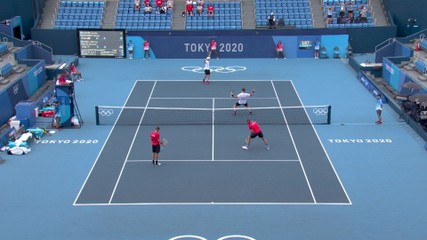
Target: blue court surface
{"type": "Point", "coordinates": [349, 179]}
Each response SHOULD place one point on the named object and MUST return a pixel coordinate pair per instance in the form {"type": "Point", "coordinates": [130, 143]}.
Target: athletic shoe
{"type": "Point", "coordinates": [268, 147]}
{"type": "Point", "coordinates": [250, 113]}
{"type": "Point", "coordinates": [158, 164]}
{"type": "Point", "coordinates": [234, 113]}
{"type": "Point", "coordinates": [245, 147]}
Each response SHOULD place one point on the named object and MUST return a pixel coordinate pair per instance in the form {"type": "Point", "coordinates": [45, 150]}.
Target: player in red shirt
{"type": "Point", "coordinates": [255, 132]}
{"type": "Point", "coordinates": [155, 145]}
{"type": "Point", "coordinates": [212, 46]}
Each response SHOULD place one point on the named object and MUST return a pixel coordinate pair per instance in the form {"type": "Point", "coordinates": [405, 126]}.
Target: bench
{"type": "Point", "coordinates": [421, 66]}
{"type": "Point", "coordinates": [424, 45]}
{"type": "Point", "coordinates": [5, 71]}
{"type": "Point", "coordinates": [3, 48]}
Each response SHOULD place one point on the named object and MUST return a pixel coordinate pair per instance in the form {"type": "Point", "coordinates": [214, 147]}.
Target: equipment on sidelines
{"type": "Point", "coordinates": [291, 115]}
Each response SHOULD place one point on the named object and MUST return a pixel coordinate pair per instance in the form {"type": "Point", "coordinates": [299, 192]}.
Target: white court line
{"type": "Point", "coordinates": [103, 146]}
{"type": "Point", "coordinates": [209, 160]}
{"type": "Point", "coordinates": [293, 141]}
{"type": "Point", "coordinates": [234, 80]}
{"type": "Point", "coordinates": [212, 204]}
{"type": "Point", "coordinates": [213, 129]}
{"type": "Point", "coordinates": [323, 147]}
{"type": "Point", "coordinates": [131, 145]}
{"type": "Point", "coordinates": [207, 98]}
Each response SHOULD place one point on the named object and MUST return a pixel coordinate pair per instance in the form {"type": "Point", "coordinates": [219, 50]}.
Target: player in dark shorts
{"type": "Point", "coordinates": [155, 145]}
{"type": "Point", "coordinates": [255, 132]}
{"type": "Point", "coordinates": [207, 69]}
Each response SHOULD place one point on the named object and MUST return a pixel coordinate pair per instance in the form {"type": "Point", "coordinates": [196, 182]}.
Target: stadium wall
{"type": "Point", "coordinates": [23, 8]}
{"type": "Point", "coordinates": [180, 44]}
{"type": "Point", "coordinates": [22, 88]}
{"type": "Point", "coordinates": [403, 10]}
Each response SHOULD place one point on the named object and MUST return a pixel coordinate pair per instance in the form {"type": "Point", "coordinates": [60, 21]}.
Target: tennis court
{"type": "Point", "coordinates": [204, 162]}
{"type": "Point", "coordinates": [97, 182]}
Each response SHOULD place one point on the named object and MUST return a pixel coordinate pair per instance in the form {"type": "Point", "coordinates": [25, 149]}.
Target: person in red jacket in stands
{"type": "Point", "coordinates": [211, 10]}
{"type": "Point", "coordinates": [159, 4]}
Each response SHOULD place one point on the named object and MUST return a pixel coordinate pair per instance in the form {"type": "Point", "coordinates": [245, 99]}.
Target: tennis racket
{"type": "Point", "coordinates": [164, 143]}
{"type": "Point", "coordinates": [232, 93]}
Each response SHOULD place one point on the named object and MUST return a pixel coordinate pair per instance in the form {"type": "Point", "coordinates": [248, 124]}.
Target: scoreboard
{"type": "Point", "coordinates": [104, 43]}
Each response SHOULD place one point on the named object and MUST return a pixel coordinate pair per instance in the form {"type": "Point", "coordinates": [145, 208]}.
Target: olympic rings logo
{"type": "Point", "coordinates": [15, 89]}
{"type": "Point", "coordinates": [105, 112]}
{"type": "Point", "coordinates": [320, 111]}
{"type": "Point", "coordinates": [242, 237]}
{"type": "Point", "coordinates": [218, 69]}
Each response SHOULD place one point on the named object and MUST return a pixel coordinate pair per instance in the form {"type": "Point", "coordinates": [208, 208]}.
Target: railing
{"type": "Point", "coordinates": [384, 44]}
{"type": "Point", "coordinates": [43, 46]}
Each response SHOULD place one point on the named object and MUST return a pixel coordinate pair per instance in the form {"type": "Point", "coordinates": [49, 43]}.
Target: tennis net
{"type": "Point", "coordinates": [126, 115]}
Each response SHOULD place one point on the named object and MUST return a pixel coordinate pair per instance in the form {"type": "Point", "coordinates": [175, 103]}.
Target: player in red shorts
{"type": "Point", "coordinates": [255, 132]}
{"type": "Point", "coordinates": [155, 144]}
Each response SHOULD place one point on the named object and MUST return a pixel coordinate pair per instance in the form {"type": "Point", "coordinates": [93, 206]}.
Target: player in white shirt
{"type": "Point", "coordinates": [242, 100]}
{"type": "Point", "coordinates": [207, 71]}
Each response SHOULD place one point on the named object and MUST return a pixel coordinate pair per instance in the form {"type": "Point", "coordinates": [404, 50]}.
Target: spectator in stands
{"type": "Point", "coordinates": [137, 5]}
{"type": "Point", "coordinates": [330, 11]}
{"type": "Point", "coordinates": [147, 49]}
{"type": "Point", "coordinates": [159, 4]}
{"type": "Point", "coordinates": [200, 2]}
{"type": "Point", "coordinates": [364, 15]}
{"type": "Point", "coordinates": [279, 50]}
{"type": "Point", "coordinates": [350, 10]}
{"type": "Point", "coordinates": [189, 8]}
{"type": "Point", "coordinates": [213, 48]}
{"type": "Point", "coordinates": [130, 46]}
{"type": "Point", "coordinates": [271, 21]}
{"type": "Point", "coordinates": [146, 3]}
{"type": "Point", "coordinates": [342, 9]}
{"type": "Point", "coordinates": [200, 9]}
{"type": "Point", "coordinates": [75, 73]}
{"type": "Point", "coordinates": [164, 9]}
{"type": "Point", "coordinates": [316, 49]}
{"type": "Point", "coordinates": [62, 79]}
{"type": "Point", "coordinates": [170, 4]}
{"type": "Point", "coordinates": [211, 10]}
{"type": "Point", "coordinates": [148, 9]}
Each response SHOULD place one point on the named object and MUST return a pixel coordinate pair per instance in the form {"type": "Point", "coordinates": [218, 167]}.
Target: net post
{"type": "Point", "coordinates": [329, 114]}
{"type": "Point", "coordinates": [97, 115]}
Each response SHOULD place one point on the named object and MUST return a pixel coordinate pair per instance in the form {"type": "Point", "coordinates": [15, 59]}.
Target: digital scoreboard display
{"type": "Point", "coordinates": [105, 43]}
{"type": "Point", "coordinates": [305, 44]}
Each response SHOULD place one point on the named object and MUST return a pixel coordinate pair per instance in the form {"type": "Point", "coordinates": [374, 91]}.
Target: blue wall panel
{"type": "Point", "coordinates": [238, 46]}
